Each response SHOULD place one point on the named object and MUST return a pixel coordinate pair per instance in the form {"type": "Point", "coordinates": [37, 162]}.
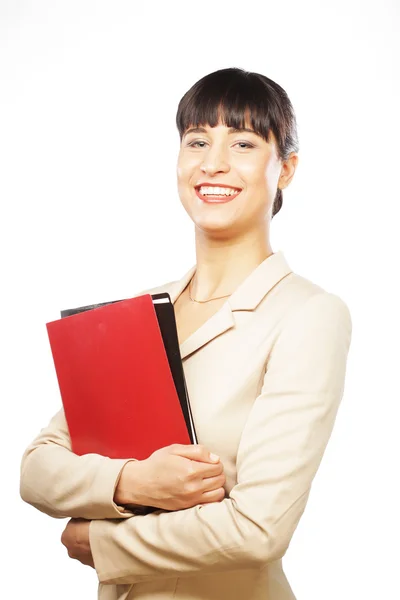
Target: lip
{"type": "Point", "coordinates": [224, 185]}
{"type": "Point", "coordinates": [215, 200]}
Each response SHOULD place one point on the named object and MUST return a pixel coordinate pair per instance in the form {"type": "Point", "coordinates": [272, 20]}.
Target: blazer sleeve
{"type": "Point", "coordinates": [62, 484]}
{"type": "Point", "coordinates": [281, 447]}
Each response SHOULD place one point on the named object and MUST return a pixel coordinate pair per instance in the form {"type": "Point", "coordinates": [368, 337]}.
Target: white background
{"type": "Point", "coordinates": [90, 212]}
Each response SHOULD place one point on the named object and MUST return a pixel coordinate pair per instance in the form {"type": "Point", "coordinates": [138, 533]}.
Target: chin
{"type": "Point", "coordinates": [213, 219]}
{"type": "Point", "coordinates": [221, 228]}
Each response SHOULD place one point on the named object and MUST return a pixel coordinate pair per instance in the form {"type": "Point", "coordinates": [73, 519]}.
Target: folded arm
{"type": "Point", "coordinates": [62, 484]}
{"type": "Point", "coordinates": [279, 453]}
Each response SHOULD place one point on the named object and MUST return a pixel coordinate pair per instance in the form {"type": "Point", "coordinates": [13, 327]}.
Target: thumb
{"type": "Point", "coordinates": [195, 452]}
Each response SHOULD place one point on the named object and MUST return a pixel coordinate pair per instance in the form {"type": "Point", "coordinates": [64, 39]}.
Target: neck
{"type": "Point", "coordinates": [222, 264]}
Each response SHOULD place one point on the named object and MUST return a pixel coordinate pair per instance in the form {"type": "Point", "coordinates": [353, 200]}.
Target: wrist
{"type": "Point", "coordinates": [129, 489]}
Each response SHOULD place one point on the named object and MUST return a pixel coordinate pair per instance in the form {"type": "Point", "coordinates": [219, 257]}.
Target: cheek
{"type": "Point", "coordinates": [184, 182]}
{"type": "Point", "coordinates": [186, 167]}
{"type": "Point", "coordinates": [180, 169]}
{"type": "Point", "coordinates": [252, 172]}
{"type": "Point", "coordinates": [183, 179]}
{"type": "Point", "coordinates": [271, 175]}
{"type": "Point", "coordinates": [261, 179]}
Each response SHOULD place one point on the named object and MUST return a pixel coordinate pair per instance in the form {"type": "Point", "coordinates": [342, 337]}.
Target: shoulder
{"type": "Point", "coordinates": [305, 302]}
{"type": "Point", "coordinates": [296, 290]}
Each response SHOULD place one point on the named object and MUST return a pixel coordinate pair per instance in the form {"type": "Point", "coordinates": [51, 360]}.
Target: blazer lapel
{"type": "Point", "coordinates": [220, 322]}
{"type": "Point", "coordinates": [246, 297]}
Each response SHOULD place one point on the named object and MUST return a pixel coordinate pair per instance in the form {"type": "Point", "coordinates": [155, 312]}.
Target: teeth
{"type": "Point", "coordinates": [217, 191]}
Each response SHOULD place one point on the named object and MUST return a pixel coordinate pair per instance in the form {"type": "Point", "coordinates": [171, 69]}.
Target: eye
{"type": "Point", "coordinates": [246, 144]}
{"type": "Point", "coordinates": [193, 144]}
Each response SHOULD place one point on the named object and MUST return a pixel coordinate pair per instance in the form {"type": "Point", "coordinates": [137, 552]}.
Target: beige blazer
{"type": "Point", "coordinates": [265, 376]}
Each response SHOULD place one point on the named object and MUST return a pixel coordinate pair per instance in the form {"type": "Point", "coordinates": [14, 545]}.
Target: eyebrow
{"type": "Point", "coordinates": [231, 130]}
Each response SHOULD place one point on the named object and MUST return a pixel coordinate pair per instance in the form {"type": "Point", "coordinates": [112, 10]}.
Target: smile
{"type": "Point", "coordinates": [217, 198]}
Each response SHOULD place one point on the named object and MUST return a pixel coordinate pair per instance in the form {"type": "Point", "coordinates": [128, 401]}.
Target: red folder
{"type": "Point", "coordinates": [116, 385]}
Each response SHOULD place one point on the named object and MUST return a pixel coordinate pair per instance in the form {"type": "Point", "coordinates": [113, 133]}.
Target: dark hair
{"type": "Point", "coordinates": [231, 95]}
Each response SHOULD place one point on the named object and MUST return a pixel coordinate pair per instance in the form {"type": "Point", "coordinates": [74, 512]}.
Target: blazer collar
{"type": "Point", "coordinates": [252, 289]}
{"type": "Point", "coordinates": [246, 297]}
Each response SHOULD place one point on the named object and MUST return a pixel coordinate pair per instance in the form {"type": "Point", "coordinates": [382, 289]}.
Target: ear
{"type": "Point", "coordinates": [288, 169]}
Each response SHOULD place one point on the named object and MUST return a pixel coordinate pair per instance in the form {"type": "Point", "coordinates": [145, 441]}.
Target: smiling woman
{"type": "Point", "coordinates": [264, 352]}
{"type": "Point", "coordinates": [257, 114]}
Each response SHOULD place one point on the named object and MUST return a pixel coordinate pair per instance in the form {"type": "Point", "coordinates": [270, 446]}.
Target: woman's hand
{"type": "Point", "coordinates": [172, 478]}
{"type": "Point", "coordinates": [75, 538]}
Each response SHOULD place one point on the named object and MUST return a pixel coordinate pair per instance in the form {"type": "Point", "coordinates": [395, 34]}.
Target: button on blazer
{"type": "Point", "coordinates": [265, 376]}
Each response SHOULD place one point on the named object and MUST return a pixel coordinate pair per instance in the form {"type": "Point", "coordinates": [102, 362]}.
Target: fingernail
{"type": "Point", "coordinates": [214, 457]}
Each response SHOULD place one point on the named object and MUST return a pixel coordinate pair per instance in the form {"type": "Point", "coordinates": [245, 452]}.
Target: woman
{"type": "Point", "coordinates": [264, 352]}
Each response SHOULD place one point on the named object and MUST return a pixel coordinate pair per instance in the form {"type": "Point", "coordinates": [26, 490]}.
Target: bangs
{"type": "Point", "coordinates": [234, 98]}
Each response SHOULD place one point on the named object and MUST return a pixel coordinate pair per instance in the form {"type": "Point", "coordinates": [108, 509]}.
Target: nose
{"type": "Point", "coordinates": [215, 160]}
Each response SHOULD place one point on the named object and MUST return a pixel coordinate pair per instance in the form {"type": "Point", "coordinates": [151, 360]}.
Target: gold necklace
{"type": "Point", "coordinates": [204, 301]}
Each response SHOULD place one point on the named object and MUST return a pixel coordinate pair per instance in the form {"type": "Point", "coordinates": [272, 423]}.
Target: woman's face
{"type": "Point", "coordinates": [240, 159]}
